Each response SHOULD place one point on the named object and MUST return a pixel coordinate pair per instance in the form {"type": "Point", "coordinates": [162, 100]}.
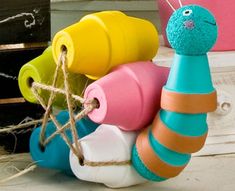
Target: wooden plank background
{"type": "Point", "coordinates": [24, 34]}
{"type": "Point", "coordinates": [66, 12]}
{"type": "Point", "coordinates": [24, 21]}
{"type": "Point", "coordinates": [10, 64]}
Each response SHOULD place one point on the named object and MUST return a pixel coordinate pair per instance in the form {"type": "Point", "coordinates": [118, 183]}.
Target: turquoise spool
{"type": "Point", "coordinates": [190, 74]}
{"type": "Point", "coordinates": [185, 124]}
{"type": "Point", "coordinates": [142, 169]}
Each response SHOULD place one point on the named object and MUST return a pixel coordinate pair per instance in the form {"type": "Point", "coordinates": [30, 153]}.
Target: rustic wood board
{"type": "Point", "coordinates": [13, 108]}
{"type": "Point", "coordinates": [66, 12]}
{"type": "Point", "coordinates": [203, 173]}
{"type": "Point", "coordinates": [24, 21]}
{"type": "Point", "coordinates": [24, 34]}
{"type": "Point", "coordinates": [221, 139]}
{"type": "Point", "coordinates": [10, 64]}
{"type": "Point", "coordinates": [13, 114]}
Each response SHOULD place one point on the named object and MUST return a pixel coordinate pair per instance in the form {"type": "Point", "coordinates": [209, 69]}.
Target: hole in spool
{"type": "Point", "coordinates": [63, 48]}
{"type": "Point", "coordinates": [42, 147]}
{"type": "Point", "coordinates": [30, 82]}
{"type": "Point", "coordinates": [97, 103]}
{"type": "Point", "coordinates": [81, 161]}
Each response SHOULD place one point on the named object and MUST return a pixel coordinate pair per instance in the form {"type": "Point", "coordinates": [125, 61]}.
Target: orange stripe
{"type": "Point", "coordinates": [188, 103]}
{"type": "Point", "coordinates": [152, 161]}
{"type": "Point", "coordinates": [174, 141]}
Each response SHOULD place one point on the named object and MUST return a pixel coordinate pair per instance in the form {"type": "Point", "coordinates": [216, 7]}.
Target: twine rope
{"type": "Point", "coordinates": [108, 163]}
{"type": "Point", "coordinates": [37, 85]}
{"type": "Point", "coordinates": [71, 123]}
{"type": "Point", "coordinates": [58, 126]}
{"type": "Point", "coordinates": [12, 128]}
{"type": "Point", "coordinates": [90, 105]}
{"type": "Point", "coordinates": [70, 106]}
{"type": "Point", "coordinates": [20, 173]}
{"type": "Point", "coordinates": [79, 116]}
{"type": "Point", "coordinates": [50, 101]}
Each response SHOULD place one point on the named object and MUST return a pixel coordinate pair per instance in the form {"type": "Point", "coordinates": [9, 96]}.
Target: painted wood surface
{"type": "Point", "coordinates": [215, 173]}
{"type": "Point", "coordinates": [24, 21]}
{"type": "Point", "coordinates": [13, 114]}
{"type": "Point", "coordinates": [66, 12]}
{"type": "Point", "coordinates": [10, 64]}
{"type": "Point", "coordinates": [24, 34]}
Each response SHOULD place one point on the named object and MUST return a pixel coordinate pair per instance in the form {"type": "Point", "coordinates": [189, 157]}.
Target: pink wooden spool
{"type": "Point", "coordinates": [129, 96]}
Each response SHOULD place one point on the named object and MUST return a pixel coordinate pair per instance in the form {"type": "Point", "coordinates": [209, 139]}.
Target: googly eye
{"type": "Point", "coordinates": [187, 12]}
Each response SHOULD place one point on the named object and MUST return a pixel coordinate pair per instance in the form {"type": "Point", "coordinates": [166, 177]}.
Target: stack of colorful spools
{"type": "Point", "coordinates": [114, 51]}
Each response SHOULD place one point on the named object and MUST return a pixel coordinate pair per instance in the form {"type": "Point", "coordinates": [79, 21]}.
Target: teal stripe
{"type": "Point", "coordinates": [185, 124]}
{"type": "Point", "coordinates": [168, 156]}
{"type": "Point", "coordinates": [190, 74]}
{"type": "Point", "coordinates": [142, 169]}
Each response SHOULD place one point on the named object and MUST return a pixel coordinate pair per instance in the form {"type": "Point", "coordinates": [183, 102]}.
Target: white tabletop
{"type": "Point", "coordinates": [208, 173]}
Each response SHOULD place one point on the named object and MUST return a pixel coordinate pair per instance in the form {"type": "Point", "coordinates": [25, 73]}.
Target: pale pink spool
{"type": "Point", "coordinates": [224, 11]}
{"type": "Point", "coordinates": [129, 96]}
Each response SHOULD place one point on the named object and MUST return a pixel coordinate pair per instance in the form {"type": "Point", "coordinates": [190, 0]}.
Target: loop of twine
{"type": "Point", "coordinates": [12, 128]}
{"type": "Point", "coordinates": [90, 106]}
{"type": "Point", "coordinates": [20, 173]}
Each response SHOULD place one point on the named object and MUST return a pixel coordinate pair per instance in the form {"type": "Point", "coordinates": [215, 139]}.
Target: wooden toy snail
{"type": "Point", "coordinates": [163, 150]}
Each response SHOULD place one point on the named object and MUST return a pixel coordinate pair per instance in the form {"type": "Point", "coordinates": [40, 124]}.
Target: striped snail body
{"type": "Point", "coordinates": [163, 150]}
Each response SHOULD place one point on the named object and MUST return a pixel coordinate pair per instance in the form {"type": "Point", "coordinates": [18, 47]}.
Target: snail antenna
{"type": "Point", "coordinates": [180, 2]}
{"type": "Point", "coordinates": [170, 5]}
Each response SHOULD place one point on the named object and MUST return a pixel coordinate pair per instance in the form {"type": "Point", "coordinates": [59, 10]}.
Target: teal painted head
{"type": "Point", "coordinates": [192, 30]}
